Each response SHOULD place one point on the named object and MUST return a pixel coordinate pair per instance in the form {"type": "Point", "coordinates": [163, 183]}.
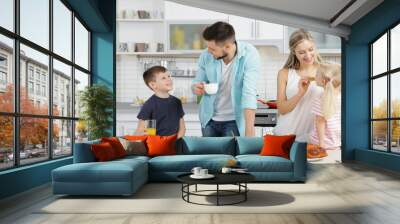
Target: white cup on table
{"type": "Point", "coordinates": [196, 171]}
{"type": "Point", "coordinates": [203, 172]}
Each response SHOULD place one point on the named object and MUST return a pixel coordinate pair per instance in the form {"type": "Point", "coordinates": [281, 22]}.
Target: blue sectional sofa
{"type": "Point", "coordinates": [125, 176]}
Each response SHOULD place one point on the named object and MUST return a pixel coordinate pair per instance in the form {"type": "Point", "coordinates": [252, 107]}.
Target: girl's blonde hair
{"type": "Point", "coordinates": [331, 74]}
{"type": "Point", "coordinates": [295, 39]}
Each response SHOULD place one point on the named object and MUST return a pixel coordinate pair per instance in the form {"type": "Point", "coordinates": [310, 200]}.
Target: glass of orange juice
{"type": "Point", "coordinates": [151, 127]}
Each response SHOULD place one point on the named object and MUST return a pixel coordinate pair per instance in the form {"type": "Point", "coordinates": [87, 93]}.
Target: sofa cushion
{"type": "Point", "coordinates": [207, 145]}
{"type": "Point", "coordinates": [275, 145]}
{"type": "Point", "coordinates": [134, 147]}
{"type": "Point", "coordinates": [130, 158]}
{"type": "Point", "coordinates": [161, 145]}
{"type": "Point", "coordinates": [103, 152]}
{"type": "Point", "coordinates": [249, 145]}
{"type": "Point", "coordinates": [257, 163]}
{"type": "Point", "coordinates": [112, 171]}
{"type": "Point", "coordinates": [116, 145]}
{"type": "Point", "coordinates": [185, 163]}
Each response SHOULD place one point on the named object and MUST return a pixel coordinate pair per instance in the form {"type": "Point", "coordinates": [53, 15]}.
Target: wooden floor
{"type": "Point", "coordinates": [377, 188]}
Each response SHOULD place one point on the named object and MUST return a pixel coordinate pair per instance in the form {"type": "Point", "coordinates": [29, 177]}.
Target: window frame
{"type": "Point", "coordinates": [16, 114]}
{"type": "Point", "coordinates": [388, 74]}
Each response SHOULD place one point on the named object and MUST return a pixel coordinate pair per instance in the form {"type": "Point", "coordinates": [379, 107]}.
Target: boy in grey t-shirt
{"type": "Point", "coordinates": [164, 108]}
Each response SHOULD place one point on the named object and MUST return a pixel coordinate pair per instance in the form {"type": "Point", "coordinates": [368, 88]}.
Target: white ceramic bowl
{"type": "Point", "coordinates": [211, 88]}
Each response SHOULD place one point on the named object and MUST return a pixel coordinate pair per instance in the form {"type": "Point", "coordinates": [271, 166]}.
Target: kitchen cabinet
{"type": "Point", "coordinates": [326, 44]}
{"type": "Point", "coordinates": [190, 13]}
{"type": "Point", "coordinates": [257, 32]}
{"type": "Point", "coordinates": [186, 36]}
{"type": "Point", "coordinates": [265, 31]}
{"type": "Point", "coordinates": [244, 27]}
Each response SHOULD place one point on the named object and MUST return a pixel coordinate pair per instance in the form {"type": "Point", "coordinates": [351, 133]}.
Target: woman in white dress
{"type": "Point", "coordinates": [296, 91]}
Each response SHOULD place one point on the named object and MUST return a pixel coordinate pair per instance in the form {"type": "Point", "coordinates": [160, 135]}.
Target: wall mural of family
{"type": "Point", "coordinates": [308, 97]}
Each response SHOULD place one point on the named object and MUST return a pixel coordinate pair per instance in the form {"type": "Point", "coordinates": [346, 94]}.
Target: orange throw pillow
{"type": "Point", "coordinates": [161, 145]}
{"type": "Point", "coordinates": [116, 145]}
{"type": "Point", "coordinates": [103, 152]}
{"type": "Point", "coordinates": [275, 145]}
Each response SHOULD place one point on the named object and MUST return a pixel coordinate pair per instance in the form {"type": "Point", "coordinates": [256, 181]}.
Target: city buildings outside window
{"type": "Point", "coordinates": [30, 72]}
{"type": "Point", "coordinates": [37, 74]}
{"type": "Point", "coordinates": [44, 77]}
{"type": "Point", "coordinates": [3, 71]}
{"type": "Point", "coordinates": [3, 60]}
{"type": "Point", "coordinates": [34, 80]}
{"type": "Point", "coordinates": [43, 90]}
{"type": "Point", "coordinates": [3, 78]}
{"type": "Point", "coordinates": [38, 89]}
{"type": "Point", "coordinates": [30, 87]}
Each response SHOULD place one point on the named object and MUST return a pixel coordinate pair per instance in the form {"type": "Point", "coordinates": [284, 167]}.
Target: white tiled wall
{"type": "Point", "coordinates": [130, 82]}
{"type": "Point", "coordinates": [271, 61]}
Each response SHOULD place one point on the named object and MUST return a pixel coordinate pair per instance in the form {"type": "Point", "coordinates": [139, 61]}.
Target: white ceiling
{"type": "Point", "coordinates": [316, 15]}
{"type": "Point", "coordinates": [320, 9]}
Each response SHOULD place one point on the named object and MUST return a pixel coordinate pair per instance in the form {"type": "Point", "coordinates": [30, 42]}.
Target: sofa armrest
{"type": "Point", "coordinates": [83, 152]}
{"type": "Point", "coordinates": [298, 155]}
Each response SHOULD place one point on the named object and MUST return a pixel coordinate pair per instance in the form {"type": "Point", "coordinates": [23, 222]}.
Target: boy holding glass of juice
{"type": "Point", "coordinates": [162, 114]}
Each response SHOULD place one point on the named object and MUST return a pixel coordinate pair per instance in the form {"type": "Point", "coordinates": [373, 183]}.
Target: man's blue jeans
{"type": "Point", "coordinates": [220, 129]}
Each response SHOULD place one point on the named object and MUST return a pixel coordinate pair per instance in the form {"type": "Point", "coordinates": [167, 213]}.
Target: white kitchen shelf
{"type": "Point", "coordinates": [141, 20]}
{"type": "Point", "coordinates": [162, 54]}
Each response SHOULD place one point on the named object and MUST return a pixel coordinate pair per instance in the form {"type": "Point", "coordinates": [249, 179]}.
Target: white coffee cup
{"type": "Point", "coordinates": [196, 171]}
{"type": "Point", "coordinates": [226, 170]}
{"type": "Point", "coordinates": [211, 88]}
{"type": "Point", "coordinates": [203, 172]}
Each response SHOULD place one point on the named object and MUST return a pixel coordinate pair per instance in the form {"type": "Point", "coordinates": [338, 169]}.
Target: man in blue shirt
{"type": "Point", "coordinates": [235, 66]}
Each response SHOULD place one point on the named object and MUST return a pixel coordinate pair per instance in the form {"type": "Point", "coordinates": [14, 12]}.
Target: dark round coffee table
{"type": "Point", "coordinates": [238, 179]}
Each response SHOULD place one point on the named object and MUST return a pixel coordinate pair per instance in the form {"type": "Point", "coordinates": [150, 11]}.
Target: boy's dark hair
{"type": "Point", "coordinates": [150, 74]}
{"type": "Point", "coordinates": [219, 32]}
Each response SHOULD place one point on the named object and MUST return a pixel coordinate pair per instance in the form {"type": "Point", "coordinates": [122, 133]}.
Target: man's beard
{"type": "Point", "coordinates": [222, 57]}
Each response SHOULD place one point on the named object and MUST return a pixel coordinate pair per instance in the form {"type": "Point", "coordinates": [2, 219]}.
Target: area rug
{"type": "Point", "coordinates": [167, 198]}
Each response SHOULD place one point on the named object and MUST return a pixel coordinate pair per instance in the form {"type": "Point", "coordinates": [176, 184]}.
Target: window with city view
{"type": "Point", "coordinates": [43, 68]}
{"type": "Point", "coordinates": [385, 96]}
